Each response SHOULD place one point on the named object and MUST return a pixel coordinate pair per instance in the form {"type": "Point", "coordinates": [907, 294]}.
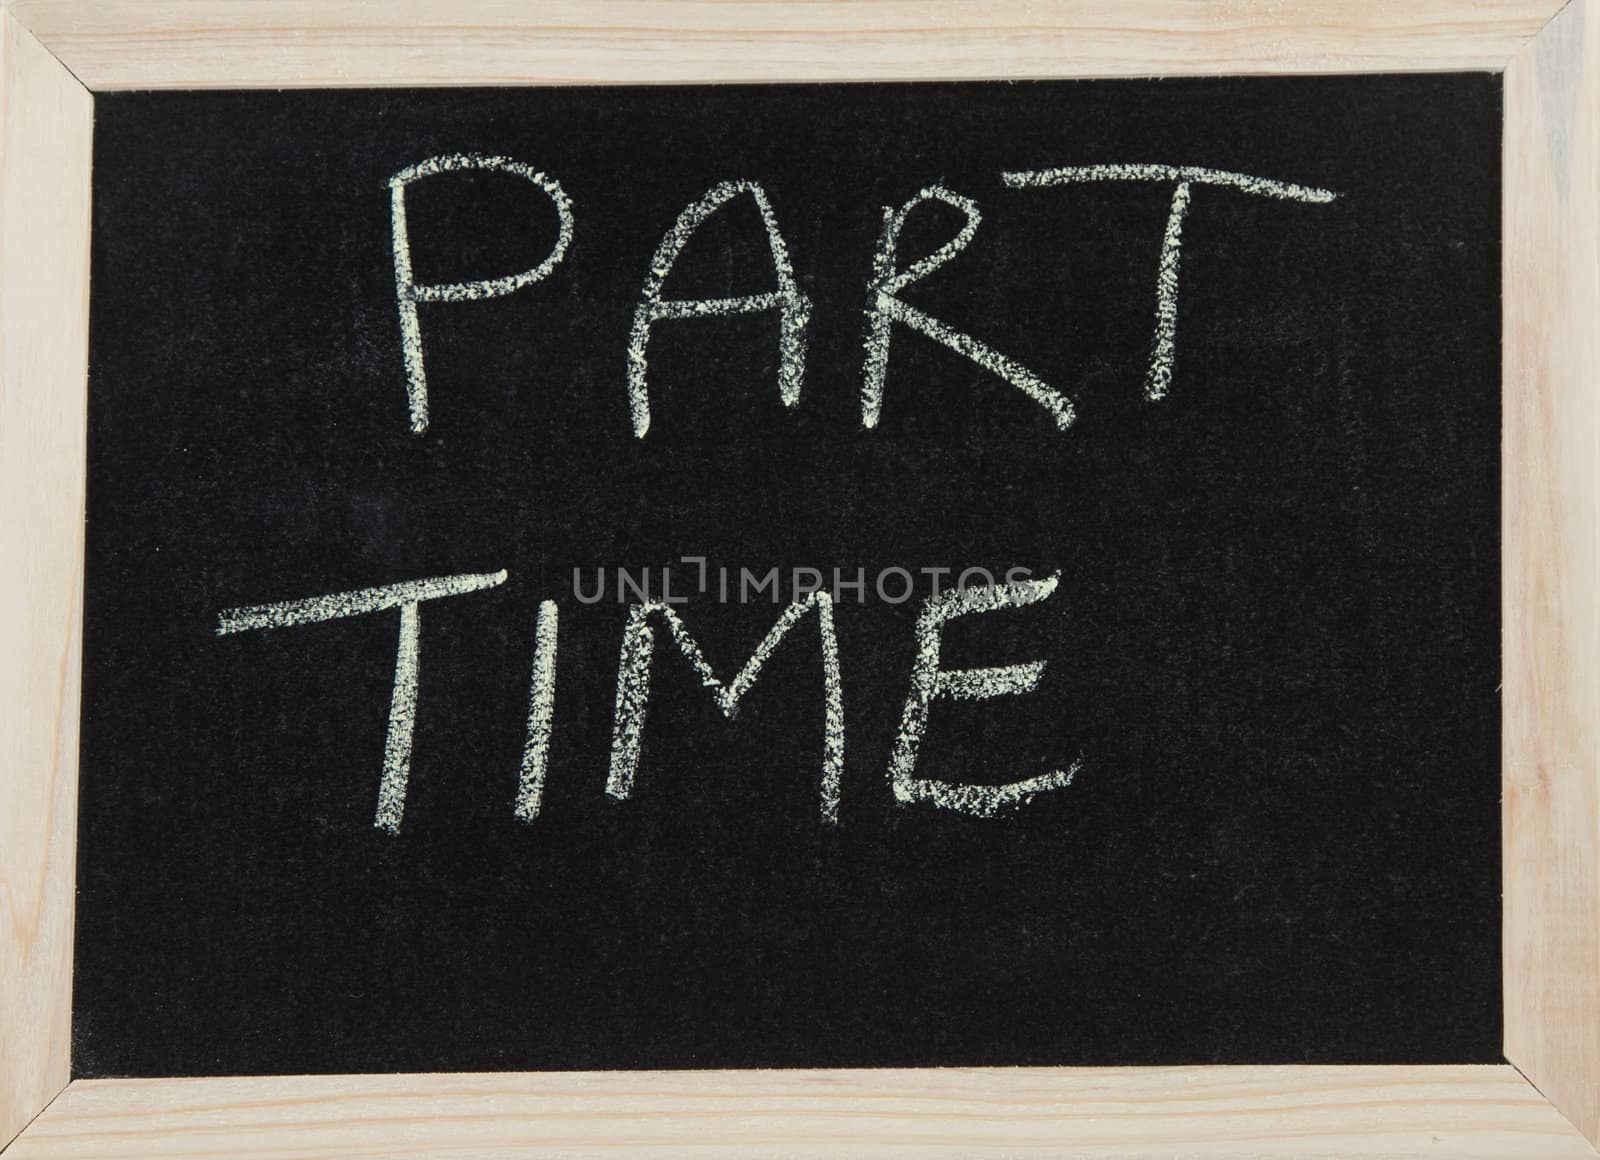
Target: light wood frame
{"type": "Point", "coordinates": [1544, 1102]}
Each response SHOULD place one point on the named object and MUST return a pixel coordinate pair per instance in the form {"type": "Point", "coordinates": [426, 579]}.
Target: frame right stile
{"type": "Point", "coordinates": [1550, 563]}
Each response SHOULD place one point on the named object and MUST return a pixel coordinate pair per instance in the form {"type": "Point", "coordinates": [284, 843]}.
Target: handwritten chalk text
{"type": "Point", "coordinates": [884, 307]}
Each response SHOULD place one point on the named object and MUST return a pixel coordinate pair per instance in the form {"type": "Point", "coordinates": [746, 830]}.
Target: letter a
{"type": "Point", "coordinates": [793, 307]}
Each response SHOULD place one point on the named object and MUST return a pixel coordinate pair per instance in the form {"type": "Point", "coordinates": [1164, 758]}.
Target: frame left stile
{"type": "Point", "coordinates": [46, 126]}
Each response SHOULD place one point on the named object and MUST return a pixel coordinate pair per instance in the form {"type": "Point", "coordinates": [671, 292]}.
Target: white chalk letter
{"type": "Point", "coordinates": [884, 309]}
{"type": "Point", "coordinates": [794, 308]}
{"type": "Point", "coordinates": [403, 701]}
{"type": "Point", "coordinates": [409, 293]}
{"type": "Point", "coordinates": [929, 681]}
{"type": "Point", "coordinates": [541, 713]}
{"type": "Point", "coordinates": [633, 689]}
{"type": "Point", "coordinates": [1158, 378]}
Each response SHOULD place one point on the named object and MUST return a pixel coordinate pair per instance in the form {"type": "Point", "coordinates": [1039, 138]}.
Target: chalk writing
{"type": "Point", "coordinates": [633, 689]}
{"type": "Point", "coordinates": [811, 590]}
{"type": "Point", "coordinates": [793, 307]}
{"type": "Point", "coordinates": [407, 597]}
{"type": "Point", "coordinates": [1158, 378]}
{"type": "Point", "coordinates": [884, 309]}
{"type": "Point", "coordinates": [541, 713]}
{"type": "Point", "coordinates": [409, 293]}
{"type": "Point", "coordinates": [929, 681]}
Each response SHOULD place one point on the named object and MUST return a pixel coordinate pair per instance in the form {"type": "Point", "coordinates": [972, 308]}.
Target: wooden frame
{"type": "Point", "coordinates": [1544, 1102]}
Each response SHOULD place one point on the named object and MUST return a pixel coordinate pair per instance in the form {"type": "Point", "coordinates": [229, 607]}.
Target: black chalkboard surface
{"type": "Point", "coordinates": [463, 467]}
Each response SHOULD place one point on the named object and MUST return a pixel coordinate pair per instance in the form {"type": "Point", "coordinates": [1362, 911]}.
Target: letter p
{"type": "Point", "coordinates": [409, 293]}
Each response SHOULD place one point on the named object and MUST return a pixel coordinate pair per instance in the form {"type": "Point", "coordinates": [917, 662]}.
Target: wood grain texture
{"type": "Point", "coordinates": [46, 119]}
{"type": "Point", "coordinates": [1551, 563]}
{"type": "Point", "coordinates": [303, 43]}
{"type": "Point", "coordinates": [1213, 1112]}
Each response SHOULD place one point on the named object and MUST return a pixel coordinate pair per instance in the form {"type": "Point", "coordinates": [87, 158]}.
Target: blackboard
{"type": "Point", "coordinates": [1203, 375]}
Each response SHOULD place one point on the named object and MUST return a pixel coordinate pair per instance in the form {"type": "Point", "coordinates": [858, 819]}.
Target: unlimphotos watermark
{"type": "Point", "coordinates": [694, 576]}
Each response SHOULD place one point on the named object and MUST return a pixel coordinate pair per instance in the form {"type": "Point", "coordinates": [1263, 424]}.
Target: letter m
{"type": "Point", "coordinates": [633, 688]}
